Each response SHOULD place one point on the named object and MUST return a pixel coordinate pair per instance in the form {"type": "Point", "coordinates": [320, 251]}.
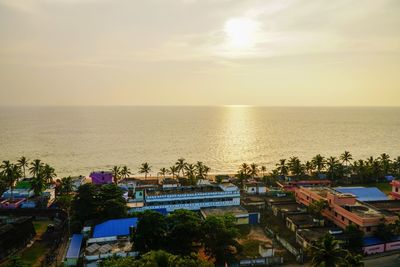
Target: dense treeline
{"type": "Point", "coordinates": [334, 168]}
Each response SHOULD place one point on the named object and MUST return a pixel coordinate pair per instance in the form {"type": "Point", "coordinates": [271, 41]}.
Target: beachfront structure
{"type": "Point", "coordinates": [191, 197]}
{"type": "Point", "coordinates": [344, 209]}
{"type": "Point", "coordinates": [395, 189]}
{"type": "Point", "coordinates": [291, 186]}
{"type": "Point", "coordinates": [101, 177]}
{"type": "Point", "coordinates": [255, 188]}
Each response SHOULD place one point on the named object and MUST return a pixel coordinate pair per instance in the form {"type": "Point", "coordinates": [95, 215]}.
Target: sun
{"type": "Point", "coordinates": [241, 32]}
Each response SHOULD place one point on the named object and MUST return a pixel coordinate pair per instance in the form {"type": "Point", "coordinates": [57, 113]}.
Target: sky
{"type": "Point", "coordinates": [200, 52]}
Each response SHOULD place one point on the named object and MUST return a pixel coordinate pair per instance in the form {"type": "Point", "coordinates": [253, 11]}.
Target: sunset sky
{"type": "Point", "coordinates": [200, 52]}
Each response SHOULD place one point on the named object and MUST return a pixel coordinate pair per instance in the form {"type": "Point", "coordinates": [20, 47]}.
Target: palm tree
{"type": "Point", "coordinates": [346, 157]}
{"type": "Point", "coordinates": [332, 164]}
{"type": "Point", "coordinates": [360, 168]}
{"type": "Point", "coordinates": [308, 166]}
{"type": "Point", "coordinates": [163, 172]}
{"type": "Point", "coordinates": [352, 260]}
{"type": "Point", "coordinates": [66, 185]}
{"type": "Point", "coordinates": [263, 169]}
{"type": "Point", "coordinates": [199, 170]}
{"type": "Point", "coordinates": [48, 173]}
{"type": "Point", "coordinates": [190, 170]}
{"type": "Point", "coordinates": [23, 163]}
{"type": "Point", "coordinates": [245, 169]}
{"type": "Point", "coordinates": [396, 167]}
{"type": "Point", "coordinates": [11, 173]}
{"type": "Point", "coordinates": [116, 173]}
{"type": "Point", "coordinates": [38, 181]}
{"type": "Point", "coordinates": [36, 167]}
{"type": "Point", "coordinates": [319, 163]}
{"type": "Point", "coordinates": [326, 252]}
{"type": "Point", "coordinates": [125, 172]}
{"type": "Point", "coordinates": [145, 168]}
{"type": "Point", "coordinates": [181, 164]}
{"type": "Point", "coordinates": [385, 163]}
{"type": "Point", "coordinates": [282, 167]}
{"type": "Point", "coordinates": [295, 167]}
{"type": "Point", "coordinates": [173, 170]}
{"type": "Point", "coordinates": [253, 170]}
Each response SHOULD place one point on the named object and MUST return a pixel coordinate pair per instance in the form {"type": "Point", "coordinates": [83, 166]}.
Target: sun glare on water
{"type": "Point", "coordinates": [241, 32]}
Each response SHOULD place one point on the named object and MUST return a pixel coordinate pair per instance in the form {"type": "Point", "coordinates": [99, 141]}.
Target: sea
{"type": "Point", "coordinates": [78, 140]}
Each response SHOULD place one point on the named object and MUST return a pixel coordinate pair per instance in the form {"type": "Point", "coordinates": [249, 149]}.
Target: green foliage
{"type": "Point", "coordinates": [316, 207]}
{"type": "Point", "coordinates": [384, 232]}
{"type": "Point", "coordinates": [219, 238]}
{"type": "Point", "coordinates": [99, 202]}
{"type": "Point", "coordinates": [356, 236]}
{"type": "Point", "coordinates": [183, 232]}
{"type": "Point", "coordinates": [151, 232]}
{"type": "Point", "coordinates": [326, 252]}
{"type": "Point", "coordinates": [159, 258]}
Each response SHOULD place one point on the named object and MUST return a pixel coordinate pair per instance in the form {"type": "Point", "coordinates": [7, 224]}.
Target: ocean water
{"type": "Point", "coordinates": [78, 140]}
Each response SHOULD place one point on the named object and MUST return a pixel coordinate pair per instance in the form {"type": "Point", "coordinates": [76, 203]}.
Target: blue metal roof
{"type": "Point", "coordinates": [116, 227]}
{"type": "Point", "coordinates": [364, 193]}
{"type": "Point", "coordinates": [370, 241]}
{"type": "Point", "coordinates": [75, 246]}
{"type": "Point", "coordinates": [163, 211]}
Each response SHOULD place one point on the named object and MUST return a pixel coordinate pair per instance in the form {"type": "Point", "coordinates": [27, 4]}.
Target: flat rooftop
{"type": "Point", "coordinates": [302, 219]}
{"type": "Point", "coordinates": [389, 205]}
{"type": "Point", "coordinates": [313, 234]}
{"type": "Point", "coordinates": [183, 190]}
{"type": "Point", "coordinates": [289, 207]}
{"type": "Point", "coordinates": [221, 211]}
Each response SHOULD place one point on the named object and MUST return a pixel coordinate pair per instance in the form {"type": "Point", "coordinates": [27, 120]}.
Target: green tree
{"type": "Point", "coordinates": [219, 236]}
{"type": "Point", "coordinates": [113, 209]}
{"type": "Point", "coordinates": [355, 241]}
{"type": "Point", "coordinates": [173, 170]}
{"type": "Point", "coordinates": [38, 182]}
{"type": "Point", "coordinates": [48, 173]}
{"type": "Point", "coordinates": [253, 170]}
{"type": "Point", "coordinates": [190, 173]}
{"type": "Point", "coordinates": [145, 168]}
{"type": "Point", "coordinates": [263, 170]}
{"type": "Point", "coordinates": [352, 260]}
{"type": "Point", "coordinates": [319, 163]}
{"type": "Point", "coordinates": [183, 232]}
{"type": "Point", "coordinates": [125, 172]}
{"type": "Point", "coordinates": [332, 167]}
{"type": "Point", "coordinates": [245, 169]}
{"type": "Point", "coordinates": [326, 252]}
{"type": "Point", "coordinates": [66, 185]}
{"type": "Point", "coordinates": [181, 164]}
{"type": "Point", "coordinates": [295, 167]}
{"type": "Point", "coordinates": [282, 167]}
{"type": "Point", "coordinates": [116, 173]}
{"type": "Point", "coordinates": [23, 164]}
{"type": "Point", "coordinates": [163, 172]}
{"type": "Point", "coordinates": [10, 173]}
{"type": "Point", "coordinates": [346, 157]}
{"type": "Point", "coordinates": [151, 232]}
{"type": "Point", "coordinates": [384, 232]}
{"type": "Point", "coordinates": [36, 167]}
{"type": "Point", "coordinates": [86, 203]}
{"type": "Point", "coordinates": [385, 163]}
{"type": "Point", "coordinates": [317, 207]}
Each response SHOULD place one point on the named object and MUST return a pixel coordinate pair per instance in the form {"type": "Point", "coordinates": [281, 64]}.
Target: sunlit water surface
{"type": "Point", "coordinates": [77, 140]}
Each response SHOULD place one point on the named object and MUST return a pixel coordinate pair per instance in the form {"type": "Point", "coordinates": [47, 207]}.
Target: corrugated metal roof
{"type": "Point", "coordinates": [364, 193]}
{"type": "Point", "coordinates": [117, 227]}
{"type": "Point", "coordinates": [75, 246]}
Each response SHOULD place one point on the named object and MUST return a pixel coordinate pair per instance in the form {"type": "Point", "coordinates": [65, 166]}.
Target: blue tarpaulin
{"type": "Point", "coordinates": [364, 193]}
{"type": "Point", "coordinates": [75, 246]}
{"type": "Point", "coordinates": [118, 227]}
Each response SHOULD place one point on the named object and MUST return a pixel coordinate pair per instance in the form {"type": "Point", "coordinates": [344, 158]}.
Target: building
{"type": "Point", "coordinates": [74, 249]}
{"type": "Point", "coordinates": [242, 216]}
{"type": "Point", "coordinates": [191, 197]}
{"type": "Point", "coordinates": [101, 177]}
{"type": "Point", "coordinates": [15, 233]}
{"type": "Point", "coordinates": [364, 193]}
{"type": "Point", "coordinates": [395, 189]}
{"type": "Point", "coordinates": [301, 221]}
{"type": "Point", "coordinates": [344, 208]}
{"type": "Point", "coordinates": [307, 236]}
{"type": "Point", "coordinates": [292, 185]}
{"type": "Point", "coordinates": [110, 238]}
{"type": "Point", "coordinates": [255, 188]}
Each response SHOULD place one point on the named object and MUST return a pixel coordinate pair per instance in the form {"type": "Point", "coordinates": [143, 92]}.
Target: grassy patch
{"type": "Point", "coordinates": [250, 248]}
{"type": "Point", "coordinates": [41, 226]}
{"type": "Point", "coordinates": [31, 255]}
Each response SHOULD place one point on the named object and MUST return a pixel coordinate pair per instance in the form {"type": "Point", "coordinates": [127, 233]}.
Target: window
{"type": "Point", "coordinates": [342, 218]}
{"type": "Point", "coordinates": [397, 189]}
{"type": "Point", "coordinates": [368, 229]}
{"type": "Point", "coordinates": [335, 214]}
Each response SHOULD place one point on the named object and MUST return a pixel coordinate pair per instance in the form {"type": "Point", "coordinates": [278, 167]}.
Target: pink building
{"type": "Point", "coordinates": [344, 209]}
{"type": "Point", "coordinates": [395, 189]}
